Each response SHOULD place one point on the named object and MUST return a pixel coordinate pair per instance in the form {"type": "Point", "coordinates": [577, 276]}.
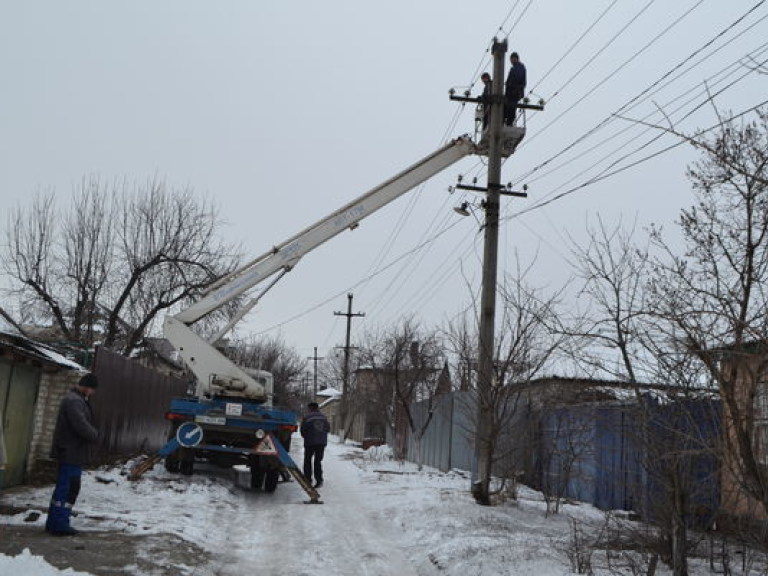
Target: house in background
{"type": "Point", "coordinates": [751, 395]}
{"type": "Point", "coordinates": [380, 414]}
{"type": "Point", "coordinates": [329, 400]}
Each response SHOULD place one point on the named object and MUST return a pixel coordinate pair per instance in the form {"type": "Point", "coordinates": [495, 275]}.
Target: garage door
{"type": "Point", "coordinates": [18, 394]}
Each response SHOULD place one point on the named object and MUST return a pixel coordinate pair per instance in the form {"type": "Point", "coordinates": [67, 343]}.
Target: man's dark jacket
{"type": "Point", "coordinates": [314, 429]}
{"type": "Point", "coordinates": [74, 433]}
{"type": "Point", "coordinates": [515, 85]}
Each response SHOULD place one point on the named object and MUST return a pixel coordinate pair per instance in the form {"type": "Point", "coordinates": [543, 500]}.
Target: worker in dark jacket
{"type": "Point", "coordinates": [485, 98]}
{"type": "Point", "coordinates": [73, 438]}
{"type": "Point", "coordinates": [314, 430]}
{"type": "Point", "coordinates": [514, 88]}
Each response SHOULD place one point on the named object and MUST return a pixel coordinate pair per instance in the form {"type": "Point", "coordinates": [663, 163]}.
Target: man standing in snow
{"type": "Point", "coordinates": [314, 430]}
{"type": "Point", "coordinates": [73, 437]}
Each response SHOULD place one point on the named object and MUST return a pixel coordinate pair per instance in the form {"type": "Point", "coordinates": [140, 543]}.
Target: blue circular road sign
{"type": "Point", "coordinates": [189, 434]}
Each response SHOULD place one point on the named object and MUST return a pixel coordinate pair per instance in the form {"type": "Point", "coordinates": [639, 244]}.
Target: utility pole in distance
{"type": "Point", "coordinates": [345, 383]}
{"type": "Point", "coordinates": [349, 314]}
{"type": "Point", "coordinates": [314, 377]}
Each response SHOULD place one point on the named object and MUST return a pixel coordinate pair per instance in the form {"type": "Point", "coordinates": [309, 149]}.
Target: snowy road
{"type": "Point", "coordinates": [381, 517]}
{"type": "Point", "coordinates": [279, 534]}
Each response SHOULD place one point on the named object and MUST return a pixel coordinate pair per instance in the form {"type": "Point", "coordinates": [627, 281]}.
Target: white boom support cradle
{"type": "Point", "coordinates": [215, 373]}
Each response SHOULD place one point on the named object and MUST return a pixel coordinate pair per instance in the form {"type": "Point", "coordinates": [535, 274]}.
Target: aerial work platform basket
{"type": "Point", "coordinates": [511, 136]}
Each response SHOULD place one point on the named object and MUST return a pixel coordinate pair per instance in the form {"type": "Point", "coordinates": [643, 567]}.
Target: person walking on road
{"type": "Point", "coordinates": [314, 430]}
{"type": "Point", "coordinates": [73, 438]}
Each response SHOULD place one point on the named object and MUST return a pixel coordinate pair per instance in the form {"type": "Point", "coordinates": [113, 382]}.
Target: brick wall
{"type": "Point", "coordinates": [53, 385]}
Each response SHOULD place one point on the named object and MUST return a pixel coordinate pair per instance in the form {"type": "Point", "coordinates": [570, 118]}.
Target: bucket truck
{"type": "Point", "coordinates": [230, 418]}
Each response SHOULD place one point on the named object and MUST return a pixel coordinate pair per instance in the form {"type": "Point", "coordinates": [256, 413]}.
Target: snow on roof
{"type": "Point", "coordinates": [329, 392]}
{"type": "Point", "coordinates": [27, 347]}
{"type": "Point", "coordinates": [7, 327]}
{"type": "Point", "coordinates": [59, 359]}
{"type": "Point", "coordinates": [330, 400]}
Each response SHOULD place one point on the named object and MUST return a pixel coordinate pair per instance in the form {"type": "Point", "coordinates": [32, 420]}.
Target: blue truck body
{"type": "Point", "coordinates": [227, 432]}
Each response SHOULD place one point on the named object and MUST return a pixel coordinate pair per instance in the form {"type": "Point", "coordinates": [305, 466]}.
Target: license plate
{"type": "Point", "coordinates": [203, 419]}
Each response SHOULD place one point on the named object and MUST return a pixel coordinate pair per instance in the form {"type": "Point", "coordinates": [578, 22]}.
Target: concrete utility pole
{"type": "Point", "coordinates": [314, 377]}
{"type": "Point", "coordinates": [349, 314]}
{"type": "Point", "coordinates": [485, 371]}
{"type": "Point", "coordinates": [345, 383]}
{"type": "Point", "coordinates": [498, 141]}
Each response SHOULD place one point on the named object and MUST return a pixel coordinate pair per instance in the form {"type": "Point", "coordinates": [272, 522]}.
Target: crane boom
{"type": "Point", "coordinates": [218, 375]}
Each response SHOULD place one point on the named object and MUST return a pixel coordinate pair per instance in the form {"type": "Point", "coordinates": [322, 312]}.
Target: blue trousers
{"type": "Point", "coordinates": [64, 497]}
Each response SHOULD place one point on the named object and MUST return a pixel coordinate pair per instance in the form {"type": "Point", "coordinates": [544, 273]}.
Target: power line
{"type": "Point", "coordinates": [391, 283]}
{"type": "Point", "coordinates": [602, 49]}
{"type": "Point", "coordinates": [643, 93]}
{"type": "Point", "coordinates": [631, 165]}
{"type": "Point", "coordinates": [707, 98]}
{"type": "Point", "coordinates": [578, 41]}
{"type": "Point", "coordinates": [428, 236]}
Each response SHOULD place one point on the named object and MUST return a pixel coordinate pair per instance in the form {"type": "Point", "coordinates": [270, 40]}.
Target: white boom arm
{"type": "Point", "coordinates": [216, 374]}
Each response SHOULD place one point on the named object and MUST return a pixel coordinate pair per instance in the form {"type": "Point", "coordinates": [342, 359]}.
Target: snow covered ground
{"type": "Point", "coordinates": [379, 518]}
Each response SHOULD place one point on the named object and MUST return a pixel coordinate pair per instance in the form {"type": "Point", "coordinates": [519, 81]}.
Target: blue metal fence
{"type": "Point", "coordinates": [593, 452]}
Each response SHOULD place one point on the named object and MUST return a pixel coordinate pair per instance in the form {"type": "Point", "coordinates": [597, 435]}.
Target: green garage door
{"type": "Point", "coordinates": [18, 394]}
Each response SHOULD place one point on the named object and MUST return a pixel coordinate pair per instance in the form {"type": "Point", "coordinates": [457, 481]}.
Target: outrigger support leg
{"type": "Point", "coordinates": [290, 465]}
{"type": "Point", "coordinates": [146, 465]}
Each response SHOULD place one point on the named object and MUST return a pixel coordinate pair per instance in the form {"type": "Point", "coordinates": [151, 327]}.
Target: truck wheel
{"type": "Point", "coordinates": [172, 464]}
{"type": "Point", "coordinates": [270, 482]}
{"type": "Point", "coordinates": [186, 467]}
{"type": "Point", "coordinates": [257, 478]}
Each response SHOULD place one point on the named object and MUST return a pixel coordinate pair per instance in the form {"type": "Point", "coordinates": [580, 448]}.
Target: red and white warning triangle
{"type": "Point", "coordinates": [266, 447]}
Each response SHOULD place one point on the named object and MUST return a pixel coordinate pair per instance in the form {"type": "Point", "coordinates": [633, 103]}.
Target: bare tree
{"type": "Point", "coordinates": [275, 356]}
{"type": "Point", "coordinates": [462, 342]}
{"type": "Point", "coordinates": [528, 336]}
{"type": "Point", "coordinates": [406, 364]}
{"type": "Point", "coordinates": [102, 269]}
{"type": "Point", "coordinates": [61, 265]}
{"type": "Point", "coordinates": [711, 301]}
{"type": "Point", "coordinates": [613, 271]}
{"type": "Point", "coordinates": [568, 445]}
{"type": "Point", "coordinates": [616, 272]}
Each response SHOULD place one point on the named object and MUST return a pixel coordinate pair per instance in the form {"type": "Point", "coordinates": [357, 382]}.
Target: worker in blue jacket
{"type": "Point", "coordinates": [314, 430]}
{"type": "Point", "coordinates": [73, 438]}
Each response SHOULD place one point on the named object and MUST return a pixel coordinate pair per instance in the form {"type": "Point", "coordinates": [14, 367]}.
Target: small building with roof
{"type": "Point", "coordinates": [33, 379]}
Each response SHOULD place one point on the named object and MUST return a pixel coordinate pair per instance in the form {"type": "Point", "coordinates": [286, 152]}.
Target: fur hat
{"type": "Point", "coordinates": [89, 381]}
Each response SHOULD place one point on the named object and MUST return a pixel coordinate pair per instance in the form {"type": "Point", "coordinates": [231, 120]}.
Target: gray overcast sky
{"type": "Point", "coordinates": [283, 111]}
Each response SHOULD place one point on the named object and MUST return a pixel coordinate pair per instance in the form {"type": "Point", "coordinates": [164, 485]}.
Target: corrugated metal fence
{"type": "Point", "coordinates": [449, 441]}
{"type": "Point", "coordinates": [130, 405]}
{"type": "Point", "coordinates": [590, 452]}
